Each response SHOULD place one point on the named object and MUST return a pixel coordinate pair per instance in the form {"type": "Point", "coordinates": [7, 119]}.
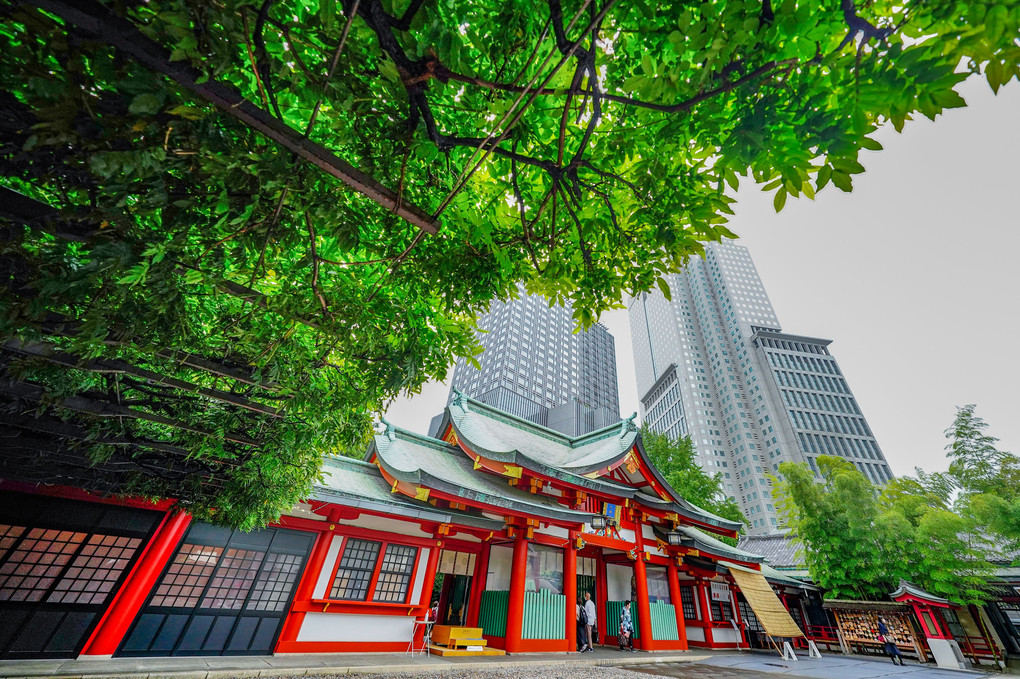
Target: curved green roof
{"type": "Point", "coordinates": [359, 484]}
{"type": "Point", "coordinates": [499, 436]}
{"type": "Point", "coordinates": [424, 461]}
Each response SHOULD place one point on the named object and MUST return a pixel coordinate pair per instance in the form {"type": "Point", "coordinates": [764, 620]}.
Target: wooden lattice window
{"type": "Point", "coordinates": [35, 564]}
{"type": "Point", "coordinates": [274, 584]}
{"type": "Point", "coordinates": [395, 574]}
{"type": "Point", "coordinates": [95, 570]}
{"type": "Point", "coordinates": [234, 577]}
{"type": "Point", "coordinates": [187, 576]}
{"type": "Point", "coordinates": [687, 601]}
{"type": "Point", "coordinates": [354, 574]}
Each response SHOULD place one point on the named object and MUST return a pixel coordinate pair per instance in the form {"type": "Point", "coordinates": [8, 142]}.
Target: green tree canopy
{"type": "Point", "coordinates": [677, 462]}
{"type": "Point", "coordinates": [258, 222]}
{"type": "Point", "coordinates": [859, 540]}
{"type": "Point", "coordinates": [986, 478]}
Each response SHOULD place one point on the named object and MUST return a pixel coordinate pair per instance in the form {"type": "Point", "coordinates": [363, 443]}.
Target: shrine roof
{"type": "Point", "coordinates": [500, 436]}
{"type": "Point", "coordinates": [908, 591]}
{"type": "Point", "coordinates": [703, 542]}
{"type": "Point", "coordinates": [496, 435]}
{"type": "Point", "coordinates": [359, 484]}
{"type": "Point", "coordinates": [440, 466]}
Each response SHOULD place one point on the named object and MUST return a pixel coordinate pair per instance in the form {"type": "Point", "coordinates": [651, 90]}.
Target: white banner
{"type": "Point", "coordinates": [720, 591]}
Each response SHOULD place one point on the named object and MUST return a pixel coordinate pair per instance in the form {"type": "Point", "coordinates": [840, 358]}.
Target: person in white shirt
{"type": "Point", "coordinates": [589, 612]}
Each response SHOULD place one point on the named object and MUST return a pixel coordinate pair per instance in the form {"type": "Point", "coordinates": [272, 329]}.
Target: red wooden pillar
{"type": "Point", "coordinates": [478, 584]}
{"type": "Point", "coordinates": [430, 573]}
{"type": "Point", "coordinates": [602, 595]}
{"type": "Point", "coordinates": [678, 604]}
{"type": "Point", "coordinates": [429, 582]}
{"type": "Point", "coordinates": [644, 611]}
{"type": "Point", "coordinates": [706, 609]}
{"type": "Point", "coordinates": [306, 587]}
{"type": "Point", "coordinates": [570, 590]}
{"type": "Point", "coordinates": [110, 632]}
{"type": "Point", "coordinates": [515, 608]}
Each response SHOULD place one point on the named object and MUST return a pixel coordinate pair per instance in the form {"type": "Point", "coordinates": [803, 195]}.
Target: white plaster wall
{"type": "Point", "coordinates": [648, 533]}
{"type": "Point", "coordinates": [724, 635]}
{"type": "Point", "coordinates": [500, 562]}
{"type": "Point", "coordinates": [419, 576]}
{"type": "Point", "coordinates": [387, 525]}
{"type": "Point", "coordinates": [322, 583]}
{"type": "Point", "coordinates": [344, 627]}
{"type": "Point", "coordinates": [627, 535]}
{"type": "Point", "coordinates": [556, 532]}
{"type": "Point", "coordinates": [695, 634]}
{"type": "Point", "coordinates": [618, 582]}
{"type": "Point", "coordinates": [944, 654]}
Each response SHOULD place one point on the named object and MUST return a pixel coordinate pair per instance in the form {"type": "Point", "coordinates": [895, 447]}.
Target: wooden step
{"type": "Point", "coordinates": [460, 643]}
{"type": "Point", "coordinates": [445, 634]}
{"type": "Point", "coordinates": [462, 652]}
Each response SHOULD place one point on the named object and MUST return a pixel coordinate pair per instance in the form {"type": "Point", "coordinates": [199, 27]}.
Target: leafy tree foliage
{"type": "Point", "coordinates": [853, 547]}
{"type": "Point", "coordinates": [208, 310]}
{"type": "Point", "coordinates": [937, 530]}
{"type": "Point", "coordinates": [676, 461]}
{"type": "Point", "coordinates": [987, 479]}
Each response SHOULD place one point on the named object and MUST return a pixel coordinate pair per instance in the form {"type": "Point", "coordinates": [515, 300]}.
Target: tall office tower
{"type": "Point", "coordinates": [713, 363]}
{"type": "Point", "coordinates": [536, 367]}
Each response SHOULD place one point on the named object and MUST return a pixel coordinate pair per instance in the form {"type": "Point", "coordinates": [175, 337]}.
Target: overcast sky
{"type": "Point", "coordinates": [915, 276]}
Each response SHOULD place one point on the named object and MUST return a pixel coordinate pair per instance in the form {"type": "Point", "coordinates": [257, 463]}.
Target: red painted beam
{"type": "Point", "coordinates": [110, 632]}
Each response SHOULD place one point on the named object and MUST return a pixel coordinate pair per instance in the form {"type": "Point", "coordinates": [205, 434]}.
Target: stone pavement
{"type": "Point", "coordinates": [293, 665]}
{"type": "Point", "coordinates": [695, 664]}
{"type": "Point", "coordinates": [762, 666]}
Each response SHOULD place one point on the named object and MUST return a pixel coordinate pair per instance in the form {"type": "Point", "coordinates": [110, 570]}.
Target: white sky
{"type": "Point", "coordinates": [914, 276]}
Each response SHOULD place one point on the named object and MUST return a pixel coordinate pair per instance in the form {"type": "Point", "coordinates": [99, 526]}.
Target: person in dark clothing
{"type": "Point", "coordinates": [582, 627]}
{"type": "Point", "coordinates": [890, 644]}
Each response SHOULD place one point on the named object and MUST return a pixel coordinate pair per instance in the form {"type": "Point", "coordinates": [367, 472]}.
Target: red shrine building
{"type": "Point", "coordinates": [504, 523]}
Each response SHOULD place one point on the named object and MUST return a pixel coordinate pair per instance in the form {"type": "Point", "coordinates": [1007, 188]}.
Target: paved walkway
{"type": "Point", "coordinates": [291, 665]}
{"type": "Point", "coordinates": [695, 664]}
{"type": "Point", "coordinates": [758, 665]}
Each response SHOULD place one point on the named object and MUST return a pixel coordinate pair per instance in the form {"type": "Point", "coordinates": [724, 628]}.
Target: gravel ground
{"type": "Point", "coordinates": [536, 672]}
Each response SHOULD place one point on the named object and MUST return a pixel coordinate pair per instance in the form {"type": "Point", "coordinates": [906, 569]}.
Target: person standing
{"type": "Point", "coordinates": [582, 626]}
{"type": "Point", "coordinates": [625, 636]}
{"type": "Point", "coordinates": [590, 618]}
{"type": "Point", "coordinates": [890, 644]}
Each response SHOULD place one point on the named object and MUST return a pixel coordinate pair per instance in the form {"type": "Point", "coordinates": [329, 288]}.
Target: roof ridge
{"type": "Point", "coordinates": [438, 444]}
{"type": "Point", "coordinates": [355, 461]}
{"type": "Point", "coordinates": [541, 430]}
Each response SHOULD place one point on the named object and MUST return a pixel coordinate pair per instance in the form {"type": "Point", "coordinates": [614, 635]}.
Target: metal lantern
{"type": "Point", "coordinates": [598, 522]}
{"type": "Point", "coordinates": [675, 538]}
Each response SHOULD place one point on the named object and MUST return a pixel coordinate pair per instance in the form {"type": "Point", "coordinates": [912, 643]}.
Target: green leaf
{"type": "Point", "coordinates": [146, 104]}
{"type": "Point", "coordinates": [780, 199]}
{"type": "Point", "coordinates": [664, 287]}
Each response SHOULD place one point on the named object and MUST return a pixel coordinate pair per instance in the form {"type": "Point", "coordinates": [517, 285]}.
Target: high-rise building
{"type": "Point", "coordinates": [536, 367]}
{"type": "Point", "coordinates": [713, 363]}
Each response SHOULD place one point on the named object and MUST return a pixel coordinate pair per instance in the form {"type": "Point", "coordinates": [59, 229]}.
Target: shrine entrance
{"type": "Point", "coordinates": [453, 584]}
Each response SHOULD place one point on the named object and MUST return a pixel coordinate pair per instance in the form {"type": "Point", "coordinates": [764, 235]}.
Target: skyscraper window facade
{"type": "Point", "coordinates": [714, 364]}
{"type": "Point", "coordinates": [536, 367]}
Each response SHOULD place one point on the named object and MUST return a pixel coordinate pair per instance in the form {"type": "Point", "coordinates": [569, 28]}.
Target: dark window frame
{"type": "Point", "coordinates": [376, 572]}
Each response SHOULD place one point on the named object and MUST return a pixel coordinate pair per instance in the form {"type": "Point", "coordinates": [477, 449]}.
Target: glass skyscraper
{"type": "Point", "coordinates": [714, 364]}
{"type": "Point", "coordinates": [536, 367]}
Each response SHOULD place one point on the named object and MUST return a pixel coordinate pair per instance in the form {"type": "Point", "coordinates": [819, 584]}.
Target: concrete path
{"type": "Point", "coordinates": [291, 665]}
{"type": "Point", "coordinates": [834, 667]}
{"type": "Point", "coordinates": [696, 664]}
